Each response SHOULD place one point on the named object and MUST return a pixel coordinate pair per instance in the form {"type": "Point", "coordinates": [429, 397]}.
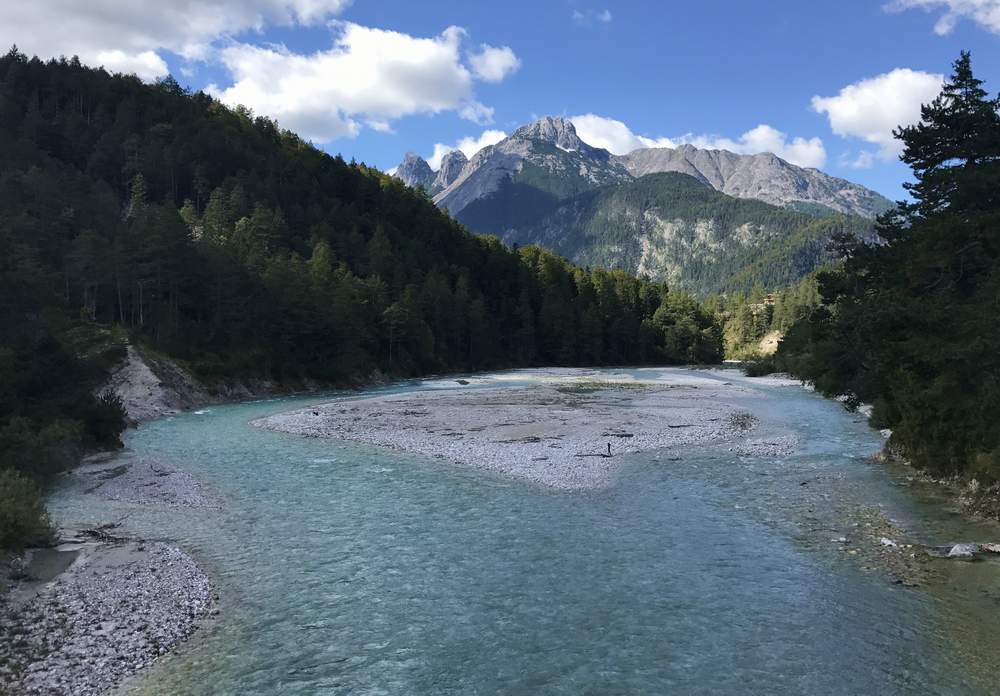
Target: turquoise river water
{"type": "Point", "coordinates": [346, 569]}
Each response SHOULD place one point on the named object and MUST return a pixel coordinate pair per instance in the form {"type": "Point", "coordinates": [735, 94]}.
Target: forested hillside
{"type": "Point", "coordinates": [911, 326]}
{"type": "Point", "coordinates": [674, 228]}
{"type": "Point", "coordinates": [215, 236]}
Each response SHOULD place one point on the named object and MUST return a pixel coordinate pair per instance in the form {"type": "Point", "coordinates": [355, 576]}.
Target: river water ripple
{"type": "Point", "coordinates": [345, 569]}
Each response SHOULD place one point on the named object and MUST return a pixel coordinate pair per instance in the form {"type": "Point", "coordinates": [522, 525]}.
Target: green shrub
{"type": "Point", "coordinates": [23, 520]}
{"type": "Point", "coordinates": [107, 418]}
{"type": "Point", "coordinates": [41, 453]}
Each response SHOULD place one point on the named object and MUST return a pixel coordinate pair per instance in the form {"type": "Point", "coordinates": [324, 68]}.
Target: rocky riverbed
{"type": "Point", "coordinates": [565, 433]}
{"type": "Point", "coordinates": [119, 606]}
{"type": "Point", "coordinates": [81, 626]}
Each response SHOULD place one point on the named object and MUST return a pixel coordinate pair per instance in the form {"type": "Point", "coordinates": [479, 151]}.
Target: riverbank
{"type": "Point", "coordinates": [565, 431]}
{"type": "Point", "coordinates": [120, 605]}
{"type": "Point", "coordinates": [98, 607]}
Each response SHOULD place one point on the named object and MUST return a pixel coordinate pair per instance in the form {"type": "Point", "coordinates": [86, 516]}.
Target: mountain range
{"type": "Point", "coordinates": [703, 220]}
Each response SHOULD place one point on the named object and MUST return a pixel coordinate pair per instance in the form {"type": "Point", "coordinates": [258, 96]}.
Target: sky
{"type": "Point", "coordinates": [820, 83]}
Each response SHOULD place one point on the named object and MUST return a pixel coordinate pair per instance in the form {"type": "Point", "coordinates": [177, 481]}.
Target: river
{"type": "Point", "coordinates": [348, 569]}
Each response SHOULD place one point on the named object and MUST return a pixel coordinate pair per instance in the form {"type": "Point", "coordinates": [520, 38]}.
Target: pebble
{"type": "Point", "coordinates": [114, 611]}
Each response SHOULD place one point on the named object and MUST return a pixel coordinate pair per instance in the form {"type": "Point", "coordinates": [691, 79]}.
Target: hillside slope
{"type": "Point", "coordinates": [674, 228]}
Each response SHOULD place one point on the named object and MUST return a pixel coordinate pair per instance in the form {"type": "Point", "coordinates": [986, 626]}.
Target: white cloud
{"type": "Point", "coordinates": [865, 159]}
{"type": "Point", "coordinates": [127, 36]}
{"type": "Point", "coordinates": [590, 16]}
{"type": "Point", "coordinates": [146, 65]}
{"type": "Point", "coordinates": [618, 138]}
{"type": "Point", "coordinates": [870, 109]}
{"type": "Point", "coordinates": [985, 13]}
{"type": "Point", "coordinates": [493, 64]}
{"type": "Point", "coordinates": [367, 78]}
{"type": "Point", "coordinates": [613, 135]}
{"type": "Point", "coordinates": [469, 145]}
{"type": "Point", "coordinates": [476, 112]}
{"type": "Point", "coordinates": [369, 74]}
{"type": "Point", "coordinates": [805, 152]}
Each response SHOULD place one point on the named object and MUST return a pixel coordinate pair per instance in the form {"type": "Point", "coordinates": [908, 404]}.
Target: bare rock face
{"type": "Point", "coordinates": [149, 393]}
{"type": "Point", "coordinates": [559, 131]}
{"type": "Point", "coordinates": [560, 165]}
{"type": "Point", "coordinates": [765, 177]}
{"type": "Point", "coordinates": [414, 171]}
{"type": "Point", "coordinates": [451, 166]}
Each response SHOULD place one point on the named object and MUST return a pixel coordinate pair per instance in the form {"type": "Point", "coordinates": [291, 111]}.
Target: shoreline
{"type": "Point", "coordinates": [121, 604]}
{"type": "Point", "coordinates": [98, 608]}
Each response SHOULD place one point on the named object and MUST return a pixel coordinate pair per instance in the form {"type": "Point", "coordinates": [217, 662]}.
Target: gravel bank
{"type": "Point", "coordinates": [120, 604]}
{"type": "Point", "coordinates": [555, 433]}
{"type": "Point", "coordinates": [118, 607]}
{"type": "Point", "coordinates": [143, 482]}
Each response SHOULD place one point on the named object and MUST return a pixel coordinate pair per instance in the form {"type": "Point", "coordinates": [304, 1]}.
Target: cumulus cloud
{"type": "Point", "coordinates": [871, 108]}
{"type": "Point", "coordinates": [129, 37]}
{"type": "Point", "coordinates": [805, 152]}
{"type": "Point", "coordinates": [613, 135]}
{"type": "Point", "coordinates": [469, 145]}
{"type": "Point", "coordinates": [618, 138]}
{"type": "Point", "coordinates": [369, 75]}
{"type": "Point", "coordinates": [146, 65]}
{"type": "Point", "coordinates": [492, 63]}
{"type": "Point", "coordinates": [367, 78]}
{"type": "Point", "coordinates": [985, 13]}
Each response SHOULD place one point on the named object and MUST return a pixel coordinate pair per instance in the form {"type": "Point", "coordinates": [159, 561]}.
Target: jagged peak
{"type": "Point", "coordinates": [454, 156]}
{"type": "Point", "coordinates": [552, 129]}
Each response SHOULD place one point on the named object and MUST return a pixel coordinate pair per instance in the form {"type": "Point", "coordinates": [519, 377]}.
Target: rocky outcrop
{"type": "Point", "coordinates": [150, 388]}
{"type": "Point", "coordinates": [765, 177]}
{"type": "Point", "coordinates": [547, 155]}
{"type": "Point", "coordinates": [452, 165]}
{"type": "Point", "coordinates": [414, 171]}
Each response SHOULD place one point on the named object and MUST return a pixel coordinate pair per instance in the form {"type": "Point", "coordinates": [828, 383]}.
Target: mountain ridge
{"type": "Point", "coordinates": [762, 176]}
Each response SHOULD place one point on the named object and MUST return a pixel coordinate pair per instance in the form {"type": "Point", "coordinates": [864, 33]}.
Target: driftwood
{"type": "Point", "coordinates": [102, 532]}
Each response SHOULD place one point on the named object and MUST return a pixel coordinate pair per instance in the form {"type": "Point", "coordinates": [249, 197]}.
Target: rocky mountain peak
{"type": "Point", "coordinates": [556, 130]}
{"type": "Point", "coordinates": [414, 171]}
{"type": "Point", "coordinates": [451, 166]}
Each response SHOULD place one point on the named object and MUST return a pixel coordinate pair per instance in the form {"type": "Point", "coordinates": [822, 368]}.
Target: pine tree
{"type": "Point", "coordinates": [955, 149]}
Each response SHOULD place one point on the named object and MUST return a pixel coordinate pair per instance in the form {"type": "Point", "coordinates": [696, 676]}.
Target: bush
{"type": "Point", "coordinates": [41, 453]}
{"type": "Point", "coordinates": [23, 520]}
{"type": "Point", "coordinates": [107, 418]}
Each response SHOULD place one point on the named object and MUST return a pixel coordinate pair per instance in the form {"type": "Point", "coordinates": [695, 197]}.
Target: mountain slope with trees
{"type": "Point", "coordinates": [672, 227]}
{"type": "Point", "coordinates": [703, 220]}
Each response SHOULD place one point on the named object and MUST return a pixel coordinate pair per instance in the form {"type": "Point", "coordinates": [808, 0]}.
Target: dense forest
{"type": "Point", "coordinates": [910, 326]}
{"type": "Point", "coordinates": [218, 238]}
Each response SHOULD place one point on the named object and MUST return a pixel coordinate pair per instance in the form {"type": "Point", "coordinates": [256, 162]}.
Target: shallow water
{"type": "Point", "coordinates": [345, 569]}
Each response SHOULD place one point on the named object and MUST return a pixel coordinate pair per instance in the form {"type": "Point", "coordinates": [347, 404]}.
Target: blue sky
{"type": "Point", "coordinates": [706, 72]}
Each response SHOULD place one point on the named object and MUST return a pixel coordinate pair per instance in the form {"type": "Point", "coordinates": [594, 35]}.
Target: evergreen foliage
{"type": "Point", "coordinates": [911, 326]}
